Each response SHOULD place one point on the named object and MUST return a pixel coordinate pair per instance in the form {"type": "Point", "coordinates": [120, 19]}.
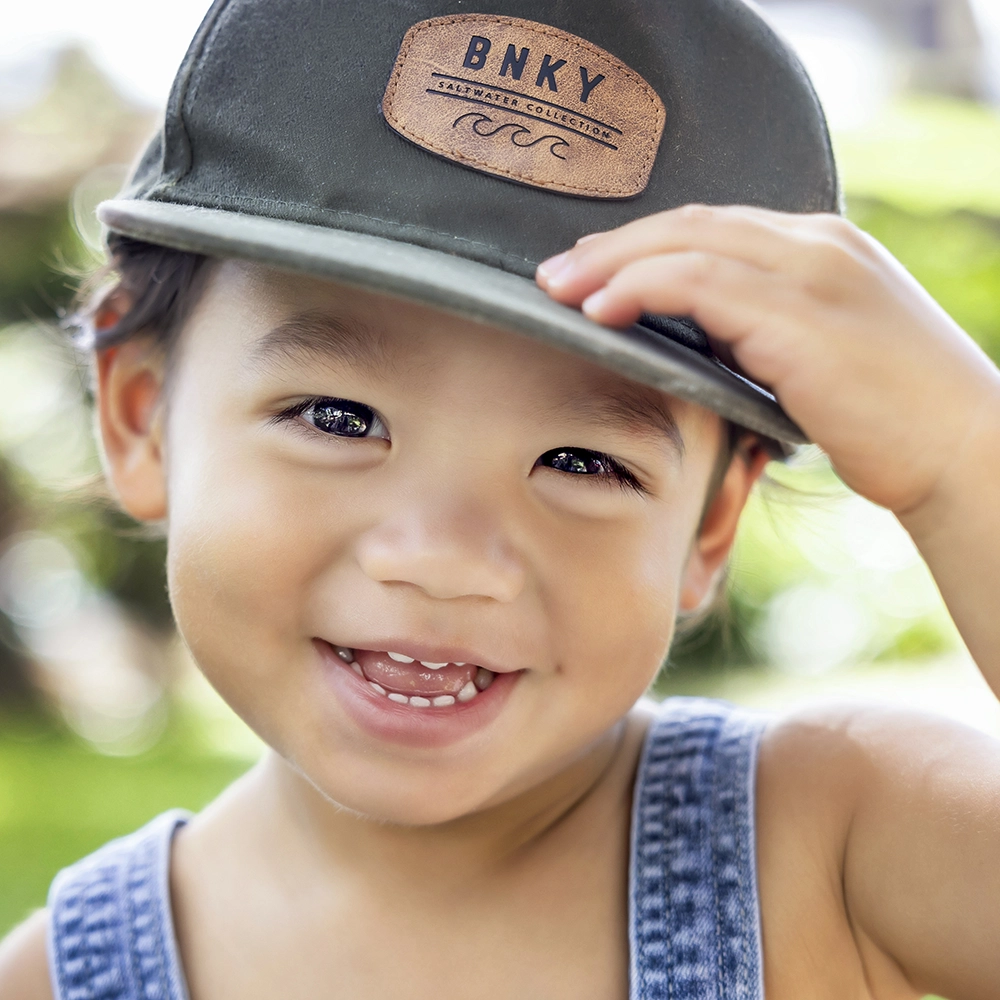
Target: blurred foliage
{"type": "Point", "coordinates": [50, 484]}
{"type": "Point", "coordinates": [116, 556]}
{"type": "Point", "coordinates": [15, 687]}
{"type": "Point", "coordinates": [954, 255]}
{"type": "Point", "coordinates": [31, 283]}
{"type": "Point", "coordinates": [921, 639]}
{"type": "Point", "coordinates": [925, 154]}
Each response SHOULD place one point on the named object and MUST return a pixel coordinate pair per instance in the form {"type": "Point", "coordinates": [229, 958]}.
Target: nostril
{"type": "Point", "coordinates": [443, 566]}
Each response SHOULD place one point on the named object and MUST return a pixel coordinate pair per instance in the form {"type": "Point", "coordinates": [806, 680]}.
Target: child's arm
{"type": "Point", "coordinates": [874, 371]}
{"type": "Point", "coordinates": [889, 821]}
{"type": "Point", "coordinates": [24, 972]}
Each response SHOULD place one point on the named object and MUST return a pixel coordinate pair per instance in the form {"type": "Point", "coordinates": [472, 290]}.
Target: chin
{"type": "Point", "coordinates": [401, 798]}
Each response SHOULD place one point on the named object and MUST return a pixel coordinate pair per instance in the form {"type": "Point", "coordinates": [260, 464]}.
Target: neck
{"type": "Point", "coordinates": [477, 845]}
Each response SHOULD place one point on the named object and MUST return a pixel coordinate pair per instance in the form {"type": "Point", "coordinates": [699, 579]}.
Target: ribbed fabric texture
{"type": "Point", "coordinates": [694, 928]}
{"type": "Point", "coordinates": [693, 909]}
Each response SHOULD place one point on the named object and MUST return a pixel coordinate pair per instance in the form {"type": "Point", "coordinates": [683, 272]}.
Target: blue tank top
{"type": "Point", "coordinates": [694, 928]}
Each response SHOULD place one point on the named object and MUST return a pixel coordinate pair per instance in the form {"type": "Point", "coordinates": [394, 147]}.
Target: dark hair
{"type": "Point", "coordinates": [160, 282]}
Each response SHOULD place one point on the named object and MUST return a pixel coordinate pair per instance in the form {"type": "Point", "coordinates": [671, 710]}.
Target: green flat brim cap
{"type": "Point", "coordinates": [439, 155]}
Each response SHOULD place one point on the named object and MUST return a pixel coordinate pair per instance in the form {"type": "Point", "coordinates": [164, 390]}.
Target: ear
{"type": "Point", "coordinates": [718, 527]}
{"type": "Point", "coordinates": [130, 421]}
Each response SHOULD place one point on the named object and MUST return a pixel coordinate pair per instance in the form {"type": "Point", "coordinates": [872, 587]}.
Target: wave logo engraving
{"type": "Point", "coordinates": [517, 136]}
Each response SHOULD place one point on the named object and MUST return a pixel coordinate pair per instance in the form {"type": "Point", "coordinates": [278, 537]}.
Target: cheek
{"type": "Point", "coordinates": [617, 604]}
{"type": "Point", "coordinates": [622, 586]}
{"type": "Point", "coordinates": [246, 541]}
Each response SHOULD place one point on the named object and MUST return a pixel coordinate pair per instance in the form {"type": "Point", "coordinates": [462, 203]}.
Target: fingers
{"type": "Point", "coordinates": [753, 310]}
{"type": "Point", "coordinates": [692, 283]}
{"type": "Point", "coordinates": [760, 237]}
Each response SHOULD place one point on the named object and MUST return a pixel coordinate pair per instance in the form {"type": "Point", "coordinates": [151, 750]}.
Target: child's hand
{"type": "Point", "coordinates": [904, 403]}
{"type": "Point", "coordinates": [871, 368]}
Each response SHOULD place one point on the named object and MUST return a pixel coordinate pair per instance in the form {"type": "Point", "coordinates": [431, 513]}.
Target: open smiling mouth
{"type": "Point", "coordinates": [419, 683]}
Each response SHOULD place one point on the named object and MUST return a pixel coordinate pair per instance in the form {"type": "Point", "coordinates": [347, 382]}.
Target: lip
{"type": "Point", "coordinates": [428, 728]}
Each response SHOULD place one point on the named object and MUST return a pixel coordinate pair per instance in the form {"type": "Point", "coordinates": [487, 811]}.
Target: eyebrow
{"type": "Point", "coordinates": [320, 337]}
{"type": "Point", "coordinates": [631, 410]}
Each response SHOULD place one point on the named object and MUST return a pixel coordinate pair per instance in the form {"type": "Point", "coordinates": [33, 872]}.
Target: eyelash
{"type": "Point", "coordinates": [615, 471]}
{"type": "Point", "coordinates": [612, 469]}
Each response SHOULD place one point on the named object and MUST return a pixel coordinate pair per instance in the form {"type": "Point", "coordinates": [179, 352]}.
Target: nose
{"type": "Point", "coordinates": [446, 549]}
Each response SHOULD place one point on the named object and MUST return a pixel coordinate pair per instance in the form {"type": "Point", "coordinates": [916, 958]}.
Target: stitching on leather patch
{"type": "Point", "coordinates": [525, 101]}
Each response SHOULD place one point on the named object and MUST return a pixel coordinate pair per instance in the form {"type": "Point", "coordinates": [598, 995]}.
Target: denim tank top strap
{"type": "Point", "coordinates": [111, 934]}
{"type": "Point", "coordinates": [694, 925]}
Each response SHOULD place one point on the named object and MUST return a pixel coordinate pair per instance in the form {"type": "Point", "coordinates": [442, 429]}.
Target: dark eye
{"type": "Point", "coordinates": [582, 462]}
{"type": "Point", "coordinates": [578, 462]}
{"type": "Point", "coordinates": [339, 417]}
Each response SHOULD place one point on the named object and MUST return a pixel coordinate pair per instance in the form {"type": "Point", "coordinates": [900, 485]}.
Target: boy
{"type": "Point", "coordinates": [429, 526]}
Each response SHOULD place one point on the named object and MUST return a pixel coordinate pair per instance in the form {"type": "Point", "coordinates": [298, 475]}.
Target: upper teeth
{"type": "Point", "coordinates": [403, 658]}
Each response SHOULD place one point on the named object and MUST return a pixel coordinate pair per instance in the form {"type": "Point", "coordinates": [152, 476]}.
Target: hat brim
{"type": "Point", "coordinates": [457, 285]}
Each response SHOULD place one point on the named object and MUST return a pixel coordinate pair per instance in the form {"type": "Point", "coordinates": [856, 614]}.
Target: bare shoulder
{"type": "Point", "coordinates": [813, 767]}
{"type": "Point", "coordinates": [839, 753]}
{"type": "Point", "coordinates": [812, 763]}
{"type": "Point", "coordinates": [834, 760]}
{"type": "Point", "coordinates": [872, 823]}
{"type": "Point", "coordinates": [24, 972]}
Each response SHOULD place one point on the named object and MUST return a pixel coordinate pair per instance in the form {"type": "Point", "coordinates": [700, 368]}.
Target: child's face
{"type": "Point", "coordinates": [452, 530]}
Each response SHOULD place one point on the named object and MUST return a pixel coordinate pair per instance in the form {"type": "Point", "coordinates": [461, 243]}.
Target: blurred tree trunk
{"type": "Point", "coordinates": [16, 689]}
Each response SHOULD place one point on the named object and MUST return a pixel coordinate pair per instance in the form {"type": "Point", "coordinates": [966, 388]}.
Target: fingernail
{"type": "Point", "coordinates": [594, 304]}
{"type": "Point", "coordinates": [554, 270]}
{"type": "Point", "coordinates": [588, 238]}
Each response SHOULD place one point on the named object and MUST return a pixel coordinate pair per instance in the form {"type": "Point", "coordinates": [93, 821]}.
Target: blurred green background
{"type": "Point", "coordinates": [103, 720]}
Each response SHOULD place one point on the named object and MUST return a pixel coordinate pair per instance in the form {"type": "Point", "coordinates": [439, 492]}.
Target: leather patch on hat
{"type": "Point", "coordinates": [527, 102]}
